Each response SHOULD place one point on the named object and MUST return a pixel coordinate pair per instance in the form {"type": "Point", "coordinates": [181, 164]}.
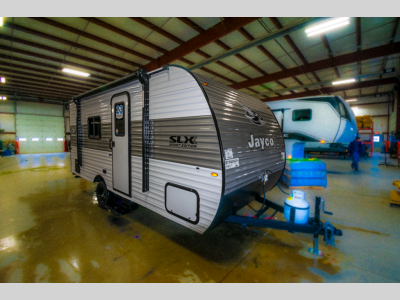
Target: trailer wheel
{"type": "Point", "coordinates": [102, 194]}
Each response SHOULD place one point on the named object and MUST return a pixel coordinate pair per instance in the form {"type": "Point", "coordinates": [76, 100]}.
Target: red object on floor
{"type": "Point", "coordinates": [16, 147]}
{"type": "Point", "coordinates": [65, 146]}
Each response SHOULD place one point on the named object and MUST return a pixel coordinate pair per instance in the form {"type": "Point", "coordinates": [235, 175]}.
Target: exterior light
{"type": "Point", "coordinates": [206, 84]}
{"type": "Point", "coordinates": [3, 80]}
{"type": "Point", "coordinates": [60, 139]}
{"type": "Point", "coordinates": [21, 139]}
{"type": "Point", "coordinates": [326, 26]}
{"type": "Point", "coordinates": [35, 139]}
{"type": "Point", "coordinates": [76, 72]}
{"type": "Point", "coordinates": [214, 174]}
{"type": "Point", "coordinates": [289, 157]}
{"type": "Point", "coordinates": [322, 142]}
{"type": "Point", "coordinates": [351, 100]}
{"type": "Point", "coordinates": [49, 139]}
{"type": "Point", "coordinates": [344, 81]}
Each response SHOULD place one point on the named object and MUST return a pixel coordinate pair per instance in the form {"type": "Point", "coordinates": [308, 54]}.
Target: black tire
{"type": "Point", "coordinates": [102, 194]}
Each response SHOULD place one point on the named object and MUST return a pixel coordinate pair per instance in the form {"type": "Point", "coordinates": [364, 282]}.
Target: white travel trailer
{"type": "Point", "coordinates": [177, 143]}
{"type": "Point", "coordinates": [315, 120]}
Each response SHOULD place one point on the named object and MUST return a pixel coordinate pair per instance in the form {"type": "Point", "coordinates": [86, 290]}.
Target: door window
{"type": "Point", "coordinates": [119, 110]}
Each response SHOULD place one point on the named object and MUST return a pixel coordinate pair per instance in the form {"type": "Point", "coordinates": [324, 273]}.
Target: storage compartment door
{"type": "Point", "coordinates": [182, 202]}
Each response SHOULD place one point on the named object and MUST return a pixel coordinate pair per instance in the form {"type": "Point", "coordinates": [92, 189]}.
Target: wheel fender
{"type": "Point", "coordinates": [99, 178]}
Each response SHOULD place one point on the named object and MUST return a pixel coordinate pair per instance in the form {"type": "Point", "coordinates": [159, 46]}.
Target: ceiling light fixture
{"type": "Point", "coordinates": [3, 80]}
{"type": "Point", "coordinates": [351, 100]}
{"type": "Point", "coordinates": [344, 81]}
{"type": "Point", "coordinates": [75, 72]}
{"type": "Point", "coordinates": [3, 98]}
{"type": "Point", "coordinates": [1, 21]}
{"type": "Point", "coordinates": [326, 26]}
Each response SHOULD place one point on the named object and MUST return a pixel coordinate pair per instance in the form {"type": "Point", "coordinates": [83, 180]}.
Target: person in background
{"type": "Point", "coordinates": [356, 149]}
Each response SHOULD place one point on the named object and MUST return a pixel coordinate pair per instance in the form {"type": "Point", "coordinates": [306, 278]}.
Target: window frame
{"type": "Point", "coordinates": [293, 112]}
{"type": "Point", "coordinates": [94, 131]}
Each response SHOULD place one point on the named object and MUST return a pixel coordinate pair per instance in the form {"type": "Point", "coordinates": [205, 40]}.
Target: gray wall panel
{"type": "Point", "coordinates": [206, 154]}
{"type": "Point", "coordinates": [103, 143]}
{"type": "Point", "coordinates": [235, 129]}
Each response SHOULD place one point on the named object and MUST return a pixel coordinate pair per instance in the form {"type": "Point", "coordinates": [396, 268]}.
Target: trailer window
{"type": "Point", "coordinates": [343, 111]}
{"type": "Point", "coordinates": [94, 128]}
{"type": "Point", "coordinates": [302, 115]}
{"type": "Point", "coordinates": [119, 111]}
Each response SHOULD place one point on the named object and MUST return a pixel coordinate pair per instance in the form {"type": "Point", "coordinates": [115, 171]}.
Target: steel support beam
{"type": "Point", "coordinates": [302, 23]}
{"type": "Point", "coordinates": [322, 64]}
{"type": "Point", "coordinates": [90, 36]}
{"type": "Point", "coordinates": [65, 53]}
{"type": "Point", "coordinates": [93, 78]}
{"type": "Point", "coordinates": [57, 60]}
{"type": "Point", "coordinates": [291, 43]}
{"type": "Point", "coordinates": [21, 98]}
{"type": "Point", "coordinates": [69, 43]}
{"type": "Point", "coordinates": [16, 74]}
{"type": "Point", "coordinates": [124, 33]}
{"type": "Point", "coordinates": [341, 88]}
{"type": "Point", "coordinates": [210, 35]}
{"type": "Point", "coordinates": [15, 68]}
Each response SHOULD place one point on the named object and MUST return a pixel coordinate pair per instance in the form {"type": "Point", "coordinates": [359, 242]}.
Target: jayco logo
{"type": "Point", "coordinates": [183, 141]}
{"type": "Point", "coordinates": [260, 142]}
{"type": "Point", "coordinates": [252, 115]}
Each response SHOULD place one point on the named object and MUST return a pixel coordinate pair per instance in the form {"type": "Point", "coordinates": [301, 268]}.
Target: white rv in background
{"type": "Point", "coordinates": [177, 143]}
{"type": "Point", "coordinates": [315, 120]}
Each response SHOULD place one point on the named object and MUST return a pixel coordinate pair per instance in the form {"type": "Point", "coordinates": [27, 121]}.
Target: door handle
{"type": "Point", "coordinates": [111, 144]}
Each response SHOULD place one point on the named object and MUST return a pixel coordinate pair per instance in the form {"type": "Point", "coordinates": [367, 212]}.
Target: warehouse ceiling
{"type": "Point", "coordinates": [268, 58]}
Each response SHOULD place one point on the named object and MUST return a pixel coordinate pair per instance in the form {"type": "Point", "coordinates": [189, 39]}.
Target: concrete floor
{"type": "Point", "coordinates": [52, 230]}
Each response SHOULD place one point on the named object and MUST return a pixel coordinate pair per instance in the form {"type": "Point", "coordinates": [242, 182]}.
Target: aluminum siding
{"type": "Point", "coordinates": [173, 94]}
{"type": "Point", "coordinates": [162, 172]}
{"type": "Point", "coordinates": [206, 154]}
{"type": "Point", "coordinates": [104, 143]}
{"type": "Point", "coordinates": [235, 129]}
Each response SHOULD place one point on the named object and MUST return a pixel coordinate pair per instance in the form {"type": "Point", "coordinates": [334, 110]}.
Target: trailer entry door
{"type": "Point", "coordinates": [121, 158]}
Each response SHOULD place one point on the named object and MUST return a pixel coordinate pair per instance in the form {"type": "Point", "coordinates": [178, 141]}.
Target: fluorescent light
{"type": "Point", "coordinates": [343, 81]}
{"type": "Point", "coordinates": [3, 98]}
{"type": "Point", "coordinates": [76, 72]}
{"type": "Point", "coordinates": [35, 139]}
{"type": "Point", "coordinates": [3, 80]}
{"type": "Point", "coordinates": [351, 100]}
{"type": "Point", "coordinates": [326, 26]}
{"type": "Point", "coordinates": [60, 139]}
{"type": "Point", "coordinates": [1, 21]}
{"type": "Point", "coordinates": [49, 139]}
{"type": "Point", "coordinates": [21, 139]}
{"type": "Point", "coordinates": [354, 108]}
